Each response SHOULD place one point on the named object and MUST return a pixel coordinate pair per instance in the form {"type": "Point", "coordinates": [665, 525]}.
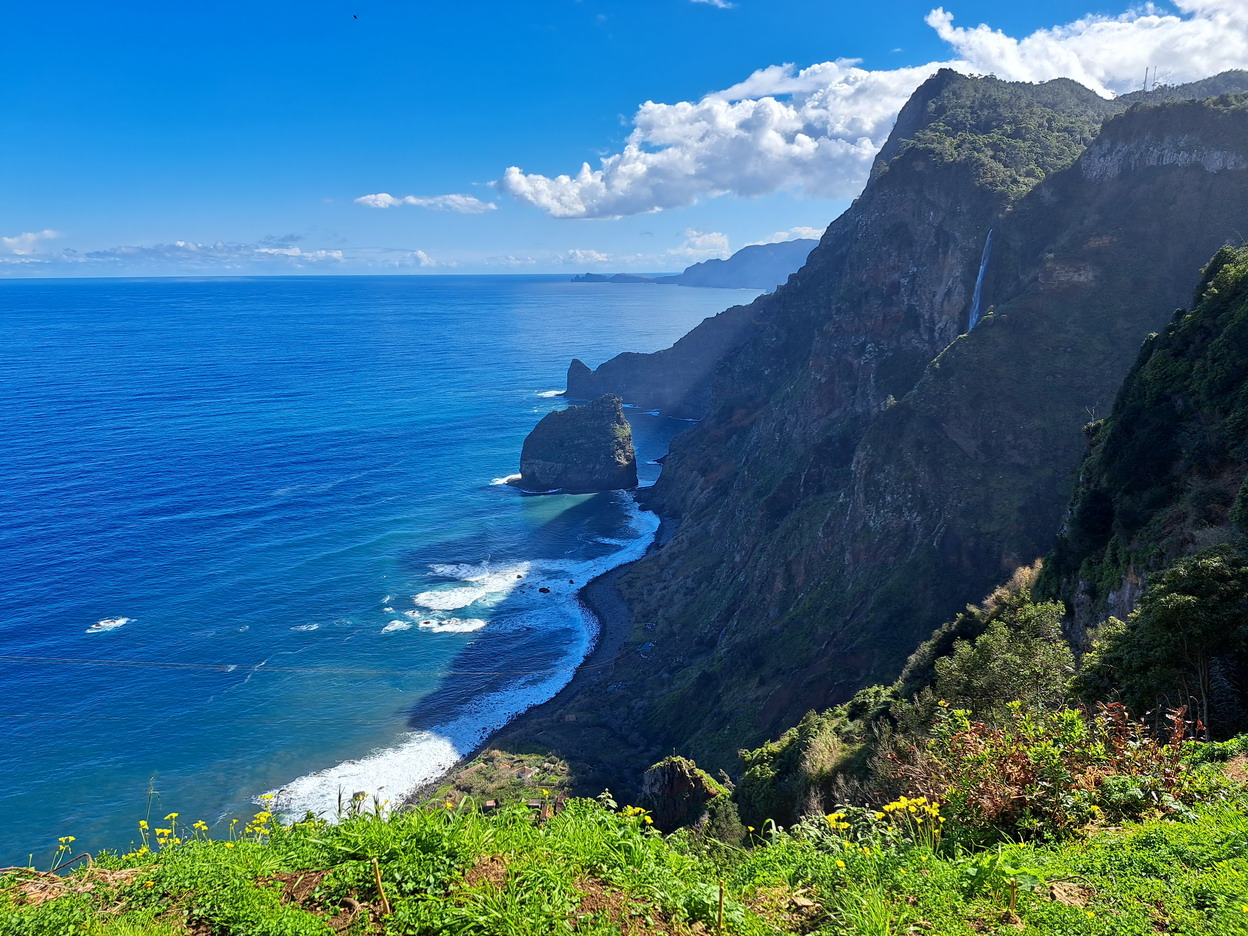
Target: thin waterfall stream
{"type": "Point", "coordinates": [977, 296]}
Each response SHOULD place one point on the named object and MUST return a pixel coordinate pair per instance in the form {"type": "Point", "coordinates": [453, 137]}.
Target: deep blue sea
{"type": "Point", "coordinates": [252, 539]}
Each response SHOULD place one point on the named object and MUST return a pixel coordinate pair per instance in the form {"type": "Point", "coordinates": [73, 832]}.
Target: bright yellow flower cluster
{"type": "Point", "coordinates": [919, 807]}
{"type": "Point", "coordinates": [642, 814]}
{"type": "Point", "coordinates": [259, 825]}
{"type": "Point", "coordinates": [836, 820]}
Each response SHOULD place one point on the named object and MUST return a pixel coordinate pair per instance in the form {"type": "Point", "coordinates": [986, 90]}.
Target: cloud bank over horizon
{"type": "Point", "coordinates": [21, 255]}
{"type": "Point", "coordinates": [817, 129]}
{"type": "Point", "coordinates": [26, 255]}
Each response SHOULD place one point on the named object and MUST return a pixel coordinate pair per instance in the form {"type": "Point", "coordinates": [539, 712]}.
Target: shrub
{"type": "Point", "coordinates": [1044, 774]}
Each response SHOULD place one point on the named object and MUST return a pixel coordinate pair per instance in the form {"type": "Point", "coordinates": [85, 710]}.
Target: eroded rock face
{"type": "Point", "coordinates": [580, 450]}
{"type": "Point", "coordinates": [677, 792]}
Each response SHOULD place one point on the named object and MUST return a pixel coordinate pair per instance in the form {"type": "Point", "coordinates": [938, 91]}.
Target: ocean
{"type": "Point", "coordinates": [253, 537]}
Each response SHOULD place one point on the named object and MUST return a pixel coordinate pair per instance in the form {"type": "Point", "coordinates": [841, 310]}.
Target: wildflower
{"type": "Point", "coordinates": [265, 796]}
{"type": "Point", "coordinates": [143, 824]}
{"type": "Point", "coordinates": [229, 844]}
{"type": "Point", "coordinates": [751, 829]}
{"type": "Point", "coordinates": [1089, 913]}
{"type": "Point", "coordinates": [148, 883]}
{"type": "Point", "coordinates": [880, 815]}
{"type": "Point", "coordinates": [201, 825]}
{"type": "Point", "coordinates": [839, 863]}
{"type": "Point", "coordinates": [172, 817]}
{"type": "Point", "coordinates": [164, 831]}
{"type": "Point", "coordinates": [545, 792]}
{"type": "Point", "coordinates": [66, 839]}
{"type": "Point", "coordinates": [648, 820]}
{"type": "Point", "coordinates": [449, 805]}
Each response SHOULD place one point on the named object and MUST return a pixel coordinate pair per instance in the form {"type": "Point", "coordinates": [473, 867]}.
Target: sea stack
{"type": "Point", "coordinates": [580, 450]}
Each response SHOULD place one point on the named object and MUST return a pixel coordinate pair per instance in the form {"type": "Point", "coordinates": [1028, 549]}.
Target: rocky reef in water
{"type": "Point", "coordinates": [580, 450]}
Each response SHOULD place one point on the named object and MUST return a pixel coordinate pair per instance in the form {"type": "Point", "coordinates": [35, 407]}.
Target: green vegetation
{"type": "Point", "coordinates": [914, 864]}
{"type": "Point", "coordinates": [1186, 643]}
{"type": "Point", "coordinates": [1010, 137]}
{"type": "Point", "coordinates": [506, 776]}
{"type": "Point", "coordinates": [1167, 465]}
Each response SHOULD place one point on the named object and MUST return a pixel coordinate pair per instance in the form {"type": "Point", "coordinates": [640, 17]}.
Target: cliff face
{"type": "Point", "coordinates": [759, 266]}
{"type": "Point", "coordinates": [862, 471]}
{"type": "Point", "coordinates": [1165, 474]}
{"type": "Point", "coordinates": [580, 450]}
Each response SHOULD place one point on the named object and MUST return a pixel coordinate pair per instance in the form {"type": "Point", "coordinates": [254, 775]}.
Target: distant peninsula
{"type": "Point", "coordinates": [759, 266]}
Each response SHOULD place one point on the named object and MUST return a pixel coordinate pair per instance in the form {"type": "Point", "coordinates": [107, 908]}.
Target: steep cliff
{"type": "Point", "coordinates": [864, 468]}
{"type": "Point", "coordinates": [676, 380]}
{"type": "Point", "coordinates": [1165, 475]}
{"type": "Point", "coordinates": [579, 450]}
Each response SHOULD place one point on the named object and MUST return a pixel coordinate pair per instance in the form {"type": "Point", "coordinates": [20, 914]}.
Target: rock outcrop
{"type": "Point", "coordinates": [580, 450]}
{"type": "Point", "coordinates": [676, 381]}
{"type": "Point", "coordinates": [678, 793]}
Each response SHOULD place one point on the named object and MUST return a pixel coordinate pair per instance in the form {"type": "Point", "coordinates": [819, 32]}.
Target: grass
{"type": "Point", "coordinates": [596, 869]}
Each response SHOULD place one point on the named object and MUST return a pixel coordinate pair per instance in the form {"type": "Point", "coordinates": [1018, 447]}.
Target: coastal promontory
{"type": "Point", "coordinates": [580, 450]}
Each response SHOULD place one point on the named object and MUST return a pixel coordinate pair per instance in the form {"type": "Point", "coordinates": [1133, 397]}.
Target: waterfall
{"type": "Point", "coordinates": [979, 282]}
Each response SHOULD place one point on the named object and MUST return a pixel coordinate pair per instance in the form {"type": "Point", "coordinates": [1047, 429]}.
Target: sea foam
{"type": "Point", "coordinates": [421, 757]}
{"type": "Point", "coordinates": [107, 624]}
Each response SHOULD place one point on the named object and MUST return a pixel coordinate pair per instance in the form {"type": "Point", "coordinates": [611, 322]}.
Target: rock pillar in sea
{"type": "Point", "coordinates": [580, 450]}
{"type": "Point", "coordinates": [580, 380]}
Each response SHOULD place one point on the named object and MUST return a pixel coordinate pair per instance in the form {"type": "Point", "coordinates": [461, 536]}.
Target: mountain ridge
{"type": "Point", "coordinates": [863, 467]}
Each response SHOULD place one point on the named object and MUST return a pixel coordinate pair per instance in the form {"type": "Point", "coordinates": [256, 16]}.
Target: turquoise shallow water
{"type": "Point", "coordinates": [277, 495]}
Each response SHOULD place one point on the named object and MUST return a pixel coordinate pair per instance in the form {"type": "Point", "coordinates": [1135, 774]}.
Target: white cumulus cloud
{"type": "Point", "coordinates": [581, 257]}
{"type": "Point", "coordinates": [718, 4]}
{"type": "Point", "coordinates": [1109, 54]}
{"type": "Point", "coordinates": [701, 245]}
{"type": "Point", "coordinates": [793, 233]}
{"type": "Point", "coordinates": [461, 204]}
{"type": "Point", "coordinates": [815, 130]}
{"type": "Point", "coordinates": [23, 245]}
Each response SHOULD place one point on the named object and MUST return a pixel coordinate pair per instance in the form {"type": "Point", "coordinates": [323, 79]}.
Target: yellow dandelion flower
{"type": "Point", "coordinates": [172, 816]}
{"type": "Point", "coordinates": [143, 824]}
{"type": "Point", "coordinates": [839, 863]}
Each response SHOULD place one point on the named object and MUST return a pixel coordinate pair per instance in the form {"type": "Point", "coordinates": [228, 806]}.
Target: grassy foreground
{"type": "Point", "coordinates": [592, 868]}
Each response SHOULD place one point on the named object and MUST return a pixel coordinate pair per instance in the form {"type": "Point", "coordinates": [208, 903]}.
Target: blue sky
{"type": "Point", "coordinates": [148, 138]}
